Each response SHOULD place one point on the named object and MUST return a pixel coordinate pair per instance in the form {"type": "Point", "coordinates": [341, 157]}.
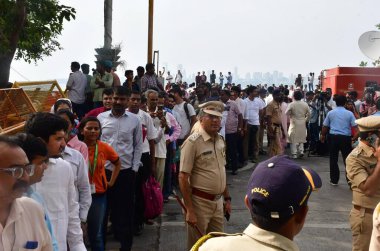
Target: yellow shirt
{"type": "Point", "coordinates": [204, 158]}
{"type": "Point", "coordinates": [360, 163]}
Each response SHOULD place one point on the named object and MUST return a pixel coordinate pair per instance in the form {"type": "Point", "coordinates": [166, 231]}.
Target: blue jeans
{"type": "Point", "coordinates": [95, 220]}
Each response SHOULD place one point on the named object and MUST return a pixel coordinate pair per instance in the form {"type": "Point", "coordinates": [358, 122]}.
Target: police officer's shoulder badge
{"type": "Point", "coordinates": [193, 137]}
{"type": "Point", "coordinates": [204, 238]}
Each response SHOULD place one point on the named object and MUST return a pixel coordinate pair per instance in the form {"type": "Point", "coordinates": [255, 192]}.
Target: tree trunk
{"type": "Point", "coordinates": [5, 67]}
{"type": "Point", "coordinates": [13, 38]}
{"type": "Point", "coordinates": [107, 24]}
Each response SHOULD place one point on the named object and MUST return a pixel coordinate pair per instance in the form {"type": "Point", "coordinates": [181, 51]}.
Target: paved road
{"type": "Point", "coordinates": [326, 226]}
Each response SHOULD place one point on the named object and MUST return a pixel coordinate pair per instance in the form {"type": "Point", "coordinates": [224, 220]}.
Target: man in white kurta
{"type": "Point", "coordinates": [299, 114]}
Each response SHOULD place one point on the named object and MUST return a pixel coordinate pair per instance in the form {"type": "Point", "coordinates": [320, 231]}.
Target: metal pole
{"type": "Point", "coordinates": [150, 32]}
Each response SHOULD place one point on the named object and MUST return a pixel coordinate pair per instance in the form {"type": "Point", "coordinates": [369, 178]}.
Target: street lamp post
{"type": "Point", "coordinates": [150, 32]}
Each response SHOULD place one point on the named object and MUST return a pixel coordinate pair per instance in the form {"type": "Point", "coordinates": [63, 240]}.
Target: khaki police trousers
{"type": "Point", "coordinates": [209, 218]}
{"type": "Point", "coordinates": [361, 229]}
{"type": "Point", "coordinates": [275, 147]}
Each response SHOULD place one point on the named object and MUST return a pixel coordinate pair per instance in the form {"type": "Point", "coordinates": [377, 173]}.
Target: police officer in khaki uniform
{"type": "Point", "coordinates": [274, 124]}
{"type": "Point", "coordinates": [363, 173]}
{"type": "Point", "coordinates": [202, 177]}
{"type": "Point", "coordinates": [277, 195]}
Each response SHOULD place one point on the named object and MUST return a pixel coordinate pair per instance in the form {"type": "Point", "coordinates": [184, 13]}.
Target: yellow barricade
{"type": "Point", "coordinates": [15, 108]}
{"type": "Point", "coordinates": [43, 94]}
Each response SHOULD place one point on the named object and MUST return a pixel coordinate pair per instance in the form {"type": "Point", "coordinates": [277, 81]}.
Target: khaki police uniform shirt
{"type": "Point", "coordinates": [274, 110]}
{"type": "Point", "coordinates": [204, 159]}
{"type": "Point", "coordinates": [360, 163]}
{"type": "Point", "coordinates": [253, 238]}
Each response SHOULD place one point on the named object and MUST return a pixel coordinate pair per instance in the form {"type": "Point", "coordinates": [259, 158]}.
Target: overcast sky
{"type": "Point", "coordinates": [292, 36]}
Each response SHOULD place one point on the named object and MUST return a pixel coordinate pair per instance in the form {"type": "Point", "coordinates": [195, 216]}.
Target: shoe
{"type": "Point", "coordinates": [301, 155]}
{"type": "Point", "coordinates": [262, 152]}
{"type": "Point", "coordinates": [139, 229]}
{"type": "Point", "coordinates": [333, 184]}
{"type": "Point", "coordinates": [149, 222]}
{"type": "Point", "coordinates": [294, 156]}
{"type": "Point", "coordinates": [166, 200]}
{"type": "Point", "coordinates": [234, 172]}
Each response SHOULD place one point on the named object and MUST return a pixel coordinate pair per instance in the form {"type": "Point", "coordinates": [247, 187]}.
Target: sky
{"type": "Point", "coordinates": [293, 36]}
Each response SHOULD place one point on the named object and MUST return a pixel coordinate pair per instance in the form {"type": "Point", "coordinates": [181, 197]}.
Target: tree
{"type": "Point", "coordinates": [363, 64]}
{"type": "Point", "coordinates": [29, 30]}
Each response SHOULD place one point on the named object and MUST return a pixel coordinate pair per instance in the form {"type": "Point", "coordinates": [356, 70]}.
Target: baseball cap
{"type": "Point", "coordinates": [367, 124]}
{"type": "Point", "coordinates": [279, 186]}
{"type": "Point", "coordinates": [213, 107]}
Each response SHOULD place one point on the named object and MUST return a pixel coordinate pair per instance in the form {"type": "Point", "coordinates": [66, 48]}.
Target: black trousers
{"type": "Point", "coordinates": [120, 206]}
{"type": "Point", "coordinates": [338, 143]}
{"type": "Point", "coordinates": [141, 177]}
{"type": "Point", "coordinates": [231, 142]}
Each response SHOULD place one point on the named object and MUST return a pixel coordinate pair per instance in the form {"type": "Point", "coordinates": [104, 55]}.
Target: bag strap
{"type": "Point", "coordinates": [187, 112]}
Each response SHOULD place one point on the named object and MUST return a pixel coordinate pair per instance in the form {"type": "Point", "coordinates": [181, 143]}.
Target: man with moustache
{"type": "Point", "coordinates": [37, 153]}
{"type": "Point", "coordinates": [22, 224]}
{"type": "Point", "coordinates": [123, 131]}
{"type": "Point", "coordinates": [57, 186]}
{"type": "Point", "coordinates": [202, 177]}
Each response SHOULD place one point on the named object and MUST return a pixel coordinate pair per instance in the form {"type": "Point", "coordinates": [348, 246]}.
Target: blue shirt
{"type": "Point", "coordinates": [30, 193]}
{"type": "Point", "coordinates": [340, 121]}
{"type": "Point", "coordinates": [376, 114]}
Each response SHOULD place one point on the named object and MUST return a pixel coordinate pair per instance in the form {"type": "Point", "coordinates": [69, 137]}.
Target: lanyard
{"type": "Point", "coordinates": [93, 167]}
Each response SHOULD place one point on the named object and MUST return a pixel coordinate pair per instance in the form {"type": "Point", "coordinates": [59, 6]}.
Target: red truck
{"type": "Point", "coordinates": [344, 79]}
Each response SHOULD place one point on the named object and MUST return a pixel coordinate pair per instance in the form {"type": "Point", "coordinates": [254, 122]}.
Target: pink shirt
{"type": "Point", "coordinates": [232, 120]}
{"type": "Point", "coordinates": [78, 145]}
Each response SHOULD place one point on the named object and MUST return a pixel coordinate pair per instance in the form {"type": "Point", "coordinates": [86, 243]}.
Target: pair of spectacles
{"type": "Point", "coordinates": [18, 171]}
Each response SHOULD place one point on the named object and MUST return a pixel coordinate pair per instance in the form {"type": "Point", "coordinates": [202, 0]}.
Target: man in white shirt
{"type": "Point", "coordinates": [253, 112]}
{"type": "Point", "coordinates": [123, 131]}
{"type": "Point", "coordinates": [57, 185]}
{"type": "Point", "coordinates": [147, 157]}
{"type": "Point", "coordinates": [169, 78]}
{"type": "Point", "coordinates": [76, 86]}
{"type": "Point", "coordinates": [269, 98]}
{"type": "Point", "coordinates": [186, 113]}
{"type": "Point", "coordinates": [22, 225]}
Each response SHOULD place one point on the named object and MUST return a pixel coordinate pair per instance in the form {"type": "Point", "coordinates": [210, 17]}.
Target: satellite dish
{"type": "Point", "coordinates": [369, 44]}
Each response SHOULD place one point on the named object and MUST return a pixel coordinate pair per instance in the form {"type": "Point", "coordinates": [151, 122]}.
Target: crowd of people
{"type": "Point", "coordinates": [87, 160]}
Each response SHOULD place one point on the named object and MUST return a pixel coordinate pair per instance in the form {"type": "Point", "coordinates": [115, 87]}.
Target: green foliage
{"type": "Point", "coordinates": [38, 34]}
{"type": "Point", "coordinates": [363, 64]}
{"type": "Point", "coordinates": [378, 26]}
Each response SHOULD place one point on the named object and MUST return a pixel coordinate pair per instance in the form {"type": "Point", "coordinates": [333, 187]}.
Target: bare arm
{"type": "Point", "coordinates": [184, 185]}
{"type": "Point", "coordinates": [115, 172]}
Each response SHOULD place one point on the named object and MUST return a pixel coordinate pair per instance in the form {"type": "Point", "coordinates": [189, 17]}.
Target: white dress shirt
{"type": "Point", "coordinates": [77, 82]}
{"type": "Point", "coordinates": [58, 190]}
{"type": "Point", "coordinates": [151, 132]}
{"type": "Point", "coordinates": [81, 182]}
{"type": "Point", "coordinates": [183, 121]}
{"type": "Point", "coordinates": [124, 134]}
{"type": "Point", "coordinates": [252, 110]}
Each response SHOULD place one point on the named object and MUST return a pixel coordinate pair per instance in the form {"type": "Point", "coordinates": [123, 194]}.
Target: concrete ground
{"type": "Point", "coordinates": [326, 228]}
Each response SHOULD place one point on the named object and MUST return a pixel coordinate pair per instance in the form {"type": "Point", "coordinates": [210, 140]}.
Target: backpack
{"type": "Point", "coordinates": [187, 112]}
